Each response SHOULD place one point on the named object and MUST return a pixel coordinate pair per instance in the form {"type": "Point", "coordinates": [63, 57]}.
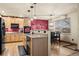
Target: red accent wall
{"type": "Point", "coordinates": [38, 24]}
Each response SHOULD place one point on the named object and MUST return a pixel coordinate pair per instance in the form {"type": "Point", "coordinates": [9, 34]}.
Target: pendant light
{"type": "Point", "coordinates": [31, 7]}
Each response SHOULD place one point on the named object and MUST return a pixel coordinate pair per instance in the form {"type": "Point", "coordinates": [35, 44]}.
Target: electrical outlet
{"type": "Point", "coordinates": [72, 39]}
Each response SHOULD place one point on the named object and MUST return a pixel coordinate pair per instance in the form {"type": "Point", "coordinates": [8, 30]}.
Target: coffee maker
{"type": "Point", "coordinates": [2, 35]}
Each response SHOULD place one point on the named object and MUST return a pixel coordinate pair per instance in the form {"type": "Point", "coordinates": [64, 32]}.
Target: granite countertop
{"type": "Point", "coordinates": [37, 35]}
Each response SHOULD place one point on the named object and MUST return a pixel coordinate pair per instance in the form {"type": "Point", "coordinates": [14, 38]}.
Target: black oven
{"type": "Point", "coordinates": [27, 29]}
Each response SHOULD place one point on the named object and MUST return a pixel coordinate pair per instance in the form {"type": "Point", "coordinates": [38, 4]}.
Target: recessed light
{"type": "Point", "coordinates": [34, 17]}
{"type": "Point", "coordinates": [0, 16]}
{"type": "Point", "coordinates": [2, 11]}
{"type": "Point", "coordinates": [31, 19]}
{"type": "Point", "coordinates": [21, 15]}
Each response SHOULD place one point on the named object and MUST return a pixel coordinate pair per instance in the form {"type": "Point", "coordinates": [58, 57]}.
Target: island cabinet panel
{"type": "Point", "coordinates": [40, 46]}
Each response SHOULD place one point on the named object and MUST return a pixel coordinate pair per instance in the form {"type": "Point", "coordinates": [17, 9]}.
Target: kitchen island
{"type": "Point", "coordinates": [38, 44]}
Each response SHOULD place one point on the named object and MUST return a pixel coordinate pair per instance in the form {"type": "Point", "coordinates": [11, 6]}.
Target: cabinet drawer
{"type": "Point", "coordinates": [7, 38]}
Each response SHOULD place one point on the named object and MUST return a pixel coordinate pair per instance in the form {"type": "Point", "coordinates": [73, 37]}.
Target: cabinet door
{"type": "Point", "coordinates": [40, 47]}
{"type": "Point", "coordinates": [11, 37]}
{"type": "Point", "coordinates": [16, 37]}
{"type": "Point", "coordinates": [45, 46]}
{"type": "Point", "coordinates": [23, 38]}
{"type": "Point", "coordinates": [7, 38]}
{"type": "Point", "coordinates": [35, 47]}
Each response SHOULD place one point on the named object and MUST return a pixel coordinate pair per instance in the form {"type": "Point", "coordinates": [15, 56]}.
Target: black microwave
{"type": "Point", "coordinates": [14, 26]}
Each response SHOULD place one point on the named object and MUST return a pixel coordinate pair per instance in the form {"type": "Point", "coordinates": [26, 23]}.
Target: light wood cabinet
{"type": "Point", "coordinates": [7, 38]}
{"type": "Point", "coordinates": [15, 37]}
{"type": "Point", "coordinates": [11, 38]}
{"type": "Point", "coordinates": [23, 38]}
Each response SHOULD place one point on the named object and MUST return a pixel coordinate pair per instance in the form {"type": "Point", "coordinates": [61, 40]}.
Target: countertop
{"type": "Point", "coordinates": [37, 35]}
{"type": "Point", "coordinates": [30, 35]}
{"type": "Point", "coordinates": [14, 32]}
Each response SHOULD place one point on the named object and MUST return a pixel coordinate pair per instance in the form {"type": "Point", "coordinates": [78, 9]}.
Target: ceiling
{"type": "Point", "coordinates": [41, 10]}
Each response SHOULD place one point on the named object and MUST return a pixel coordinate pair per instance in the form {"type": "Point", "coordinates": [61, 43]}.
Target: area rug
{"type": "Point", "coordinates": [22, 51]}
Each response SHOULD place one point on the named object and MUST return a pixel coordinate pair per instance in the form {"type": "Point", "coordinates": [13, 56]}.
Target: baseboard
{"type": "Point", "coordinates": [68, 42]}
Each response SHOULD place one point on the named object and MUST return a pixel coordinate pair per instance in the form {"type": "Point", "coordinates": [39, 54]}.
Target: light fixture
{"type": "Point", "coordinates": [21, 15]}
{"type": "Point", "coordinates": [34, 3]}
{"type": "Point", "coordinates": [28, 10]}
{"type": "Point", "coordinates": [2, 11]}
{"type": "Point", "coordinates": [34, 17]}
{"type": "Point", "coordinates": [31, 19]}
{"type": "Point", "coordinates": [31, 6]}
{"type": "Point", "coordinates": [0, 16]}
{"type": "Point", "coordinates": [34, 10]}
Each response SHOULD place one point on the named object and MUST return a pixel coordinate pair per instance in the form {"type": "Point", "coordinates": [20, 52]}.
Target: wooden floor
{"type": "Point", "coordinates": [11, 49]}
{"type": "Point", "coordinates": [59, 50]}
{"type": "Point", "coordinates": [56, 50]}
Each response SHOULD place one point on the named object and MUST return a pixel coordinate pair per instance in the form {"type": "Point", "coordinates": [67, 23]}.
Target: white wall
{"type": "Point", "coordinates": [74, 28]}
{"type": "Point", "coordinates": [78, 30]}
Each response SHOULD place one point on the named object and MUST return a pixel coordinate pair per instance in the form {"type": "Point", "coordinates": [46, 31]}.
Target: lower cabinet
{"type": "Point", "coordinates": [15, 37]}
{"type": "Point", "coordinates": [40, 46]}
{"type": "Point", "coordinates": [11, 38]}
{"type": "Point", "coordinates": [7, 38]}
{"type": "Point", "coordinates": [22, 37]}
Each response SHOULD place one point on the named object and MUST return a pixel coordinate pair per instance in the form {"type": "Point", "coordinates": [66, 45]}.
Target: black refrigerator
{"type": "Point", "coordinates": [2, 35]}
